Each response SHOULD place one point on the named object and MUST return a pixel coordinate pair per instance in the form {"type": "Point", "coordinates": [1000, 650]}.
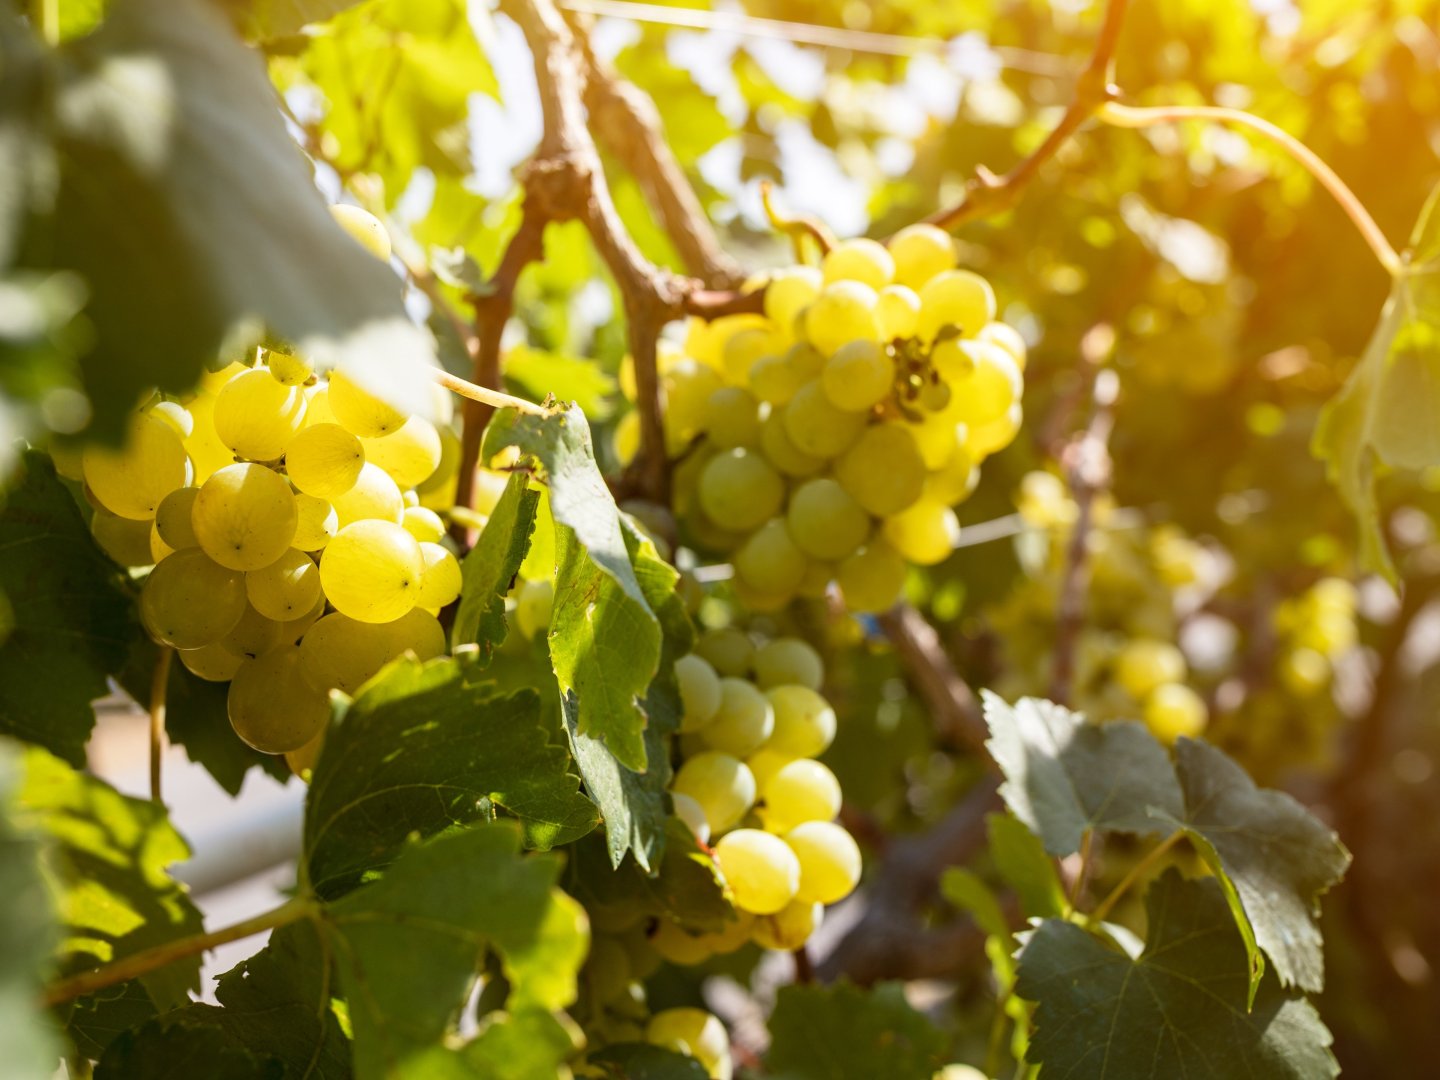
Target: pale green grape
{"type": "Point", "coordinates": [371, 571]}
{"type": "Point", "coordinates": [174, 414]}
{"type": "Point", "coordinates": [921, 251]}
{"type": "Point", "coordinates": [416, 631]}
{"type": "Point", "coordinates": [804, 722]}
{"type": "Point", "coordinates": [364, 228]}
{"type": "Point", "coordinates": [245, 516]}
{"type": "Point", "coordinates": [775, 444]}
{"type": "Point", "coordinates": [739, 490]}
{"type": "Point", "coordinates": [817, 426]}
{"type": "Point", "coordinates": [1009, 339]}
{"type": "Point", "coordinates": [775, 379]}
{"type": "Point", "coordinates": [410, 455]}
{"type": "Point", "coordinates": [790, 927]}
{"type": "Point", "coordinates": [131, 481]}
{"type": "Point", "coordinates": [534, 605]}
{"type": "Point", "coordinates": [1145, 663]}
{"type": "Point", "coordinates": [324, 460]}
{"type": "Point", "coordinates": [213, 663]}
{"type": "Point", "coordinates": [699, 691]}
{"type": "Point", "coordinates": [696, 1033]}
{"type": "Point", "coordinates": [289, 370]}
{"type": "Point", "coordinates": [872, 579]}
{"type": "Point", "coordinates": [360, 412]}
{"type": "Point", "coordinates": [423, 524]}
{"type": "Point", "coordinates": [373, 496]}
{"type": "Point", "coordinates": [732, 418]}
{"type": "Point", "coordinates": [761, 869]}
{"type": "Point", "coordinates": [286, 589]}
{"type": "Point", "coordinates": [924, 532]}
{"type": "Point", "coordinates": [189, 601]}
{"type": "Point", "coordinates": [800, 791]}
{"type": "Point", "coordinates": [825, 522]}
{"type": "Point", "coordinates": [789, 292]}
{"type": "Point", "coordinates": [343, 653]}
{"type": "Point", "coordinates": [746, 346]}
{"type": "Point", "coordinates": [292, 630]}
{"type": "Point", "coordinates": [256, 417]}
{"type": "Point", "coordinates": [315, 523]}
{"type": "Point", "coordinates": [1174, 710]}
{"type": "Point", "coordinates": [271, 705]}
{"type": "Point", "coordinates": [788, 661]}
{"type": "Point", "coordinates": [440, 580]}
{"type": "Point", "coordinates": [815, 585]}
{"type": "Point", "coordinates": [679, 946]}
{"type": "Point", "coordinates": [688, 387]}
{"type": "Point", "coordinates": [955, 298]}
{"type": "Point", "coordinates": [753, 599]}
{"type": "Point", "coordinates": [829, 861]}
{"type": "Point", "coordinates": [692, 814]}
{"type": "Point", "coordinates": [445, 474]}
{"type": "Point", "coordinates": [769, 561]}
{"type": "Point", "coordinates": [953, 482]}
{"type": "Point", "coordinates": [883, 470]}
{"type": "Point", "coordinates": [859, 260]}
{"type": "Point", "coordinates": [898, 309]}
{"type": "Point", "coordinates": [728, 650]}
{"type": "Point", "coordinates": [721, 783]}
{"type": "Point", "coordinates": [255, 634]}
{"type": "Point", "coordinates": [302, 761]}
{"type": "Point", "coordinates": [859, 375]}
{"type": "Point", "coordinates": [844, 311]}
{"type": "Point", "coordinates": [125, 540]}
{"type": "Point", "coordinates": [765, 763]}
{"type": "Point", "coordinates": [743, 721]}
{"type": "Point", "coordinates": [992, 385]}
{"type": "Point", "coordinates": [173, 518]}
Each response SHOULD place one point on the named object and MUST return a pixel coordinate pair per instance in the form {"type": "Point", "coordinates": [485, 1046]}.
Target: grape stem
{"type": "Point", "coordinates": [141, 963]}
{"type": "Point", "coordinates": [158, 687]}
{"type": "Point", "coordinates": [1137, 871]}
{"type": "Point", "coordinates": [494, 398]}
{"type": "Point", "coordinates": [795, 226]}
{"type": "Point", "coordinates": [1127, 116]}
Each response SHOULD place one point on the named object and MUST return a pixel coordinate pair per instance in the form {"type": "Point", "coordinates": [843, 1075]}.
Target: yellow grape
{"type": "Point", "coordinates": [69, 458]}
{"type": "Point", "coordinates": [364, 228]}
{"type": "Point", "coordinates": [765, 763]}
{"type": "Point", "coordinates": [373, 495]}
{"type": "Point", "coordinates": [732, 418]}
{"type": "Point", "coordinates": [256, 417]}
{"type": "Point", "coordinates": [924, 532]}
{"type": "Point", "coordinates": [158, 548]}
{"type": "Point", "coordinates": [728, 649]}
{"type": "Point", "coordinates": [423, 524]}
{"type": "Point", "coordinates": [774, 379]}
{"type": "Point", "coordinates": [872, 579]}
{"type": "Point", "coordinates": [768, 561]}
{"type": "Point", "coordinates": [213, 663]}
{"type": "Point", "coordinates": [1009, 339]}
{"type": "Point", "coordinates": [1145, 663]}
{"type": "Point", "coordinates": [829, 861]}
{"type": "Point", "coordinates": [289, 370]}
{"type": "Point", "coordinates": [721, 783]}
{"type": "Point", "coordinates": [255, 634]}
{"type": "Point", "coordinates": [789, 292]}
{"type": "Point", "coordinates": [286, 589]}
{"type": "Point", "coordinates": [679, 946]}
{"type": "Point", "coordinates": [534, 604]}
{"type": "Point", "coordinates": [790, 927]}
{"type": "Point", "coordinates": [1174, 710]}
{"type": "Point", "coordinates": [410, 455]}
{"type": "Point", "coordinates": [271, 705]}
{"type": "Point", "coordinates": [699, 692]}
{"type": "Point", "coordinates": [804, 722]}
{"type": "Point", "coordinates": [173, 518]}
{"type": "Point", "coordinates": [743, 721]}
{"type": "Point", "coordinates": [315, 523]}
{"type": "Point", "coordinates": [744, 348]}
{"type": "Point", "coordinates": [859, 260]}
{"type": "Point", "coordinates": [786, 662]}
{"type": "Point", "coordinates": [825, 522]}
{"type": "Point", "coordinates": [317, 407]}
{"type": "Point", "coordinates": [955, 298]}
{"type": "Point", "coordinates": [883, 470]}
{"type": "Point", "coordinates": [739, 490]}
{"type": "Point", "coordinates": [440, 579]}
{"type": "Point", "coordinates": [125, 540]}
{"type": "Point", "coordinates": [324, 460]}
{"type": "Point", "coordinates": [190, 601]}
{"type": "Point", "coordinates": [775, 444]}
{"type": "Point", "coordinates": [991, 386]}
{"type": "Point", "coordinates": [985, 439]}
{"type": "Point", "coordinates": [418, 632]}
{"type": "Point", "coordinates": [953, 482]}
{"type": "Point", "coordinates": [844, 311]}
{"type": "Point", "coordinates": [207, 452]}
{"type": "Point", "coordinates": [761, 869]}
{"type": "Point", "coordinates": [245, 516]}
{"type": "Point", "coordinates": [360, 412]}
{"type": "Point", "coordinates": [342, 653]}
{"type": "Point", "coordinates": [898, 309]}
{"type": "Point", "coordinates": [371, 571]}
{"type": "Point", "coordinates": [1304, 671]}
{"type": "Point", "coordinates": [174, 414]}
{"type": "Point", "coordinates": [131, 481]}
{"type": "Point", "coordinates": [938, 438]}
{"type": "Point", "coordinates": [625, 437]}
{"type": "Point", "coordinates": [817, 426]}
{"type": "Point", "coordinates": [859, 375]}
{"type": "Point", "coordinates": [696, 1033]}
{"type": "Point", "coordinates": [800, 791]}
{"type": "Point", "coordinates": [921, 251]}
{"type": "Point", "coordinates": [688, 387]}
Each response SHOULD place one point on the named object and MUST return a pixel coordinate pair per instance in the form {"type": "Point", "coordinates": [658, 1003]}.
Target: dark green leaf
{"type": "Point", "coordinates": [491, 566]}
{"type": "Point", "coordinates": [73, 622]}
{"type": "Point", "coordinates": [1021, 861]}
{"type": "Point", "coordinates": [685, 887]}
{"type": "Point", "coordinates": [1179, 1010]}
{"type": "Point", "coordinates": [526, 1045]}
{"type": "Point", "coordinates": [969, 893]}
{"type": "Point", "coordinates": [94, 1022]}
{"type": "Point", "coordinates": [841, 1032]}
{"type": "Point", "coordinates": [641, 1061]}
{"type": "Point", "coordinates": [181, 1048]}
{"type": "Point", "coordinates": [422, 749]}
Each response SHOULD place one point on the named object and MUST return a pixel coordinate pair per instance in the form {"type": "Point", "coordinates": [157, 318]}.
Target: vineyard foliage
{"type": "Point", "coordinates": [799, 540]}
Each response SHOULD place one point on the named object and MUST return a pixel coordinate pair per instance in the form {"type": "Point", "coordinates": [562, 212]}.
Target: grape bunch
{"type": "Point", "coordinates": [280, 513]}
{"type": "Point", "coordinates": [828, 439]}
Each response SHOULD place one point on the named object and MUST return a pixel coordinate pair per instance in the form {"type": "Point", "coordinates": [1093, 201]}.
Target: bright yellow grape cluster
{"type": "Point", "coordinates": [828, 439]}
{"type": "Point", "coordinates": [280, 511]}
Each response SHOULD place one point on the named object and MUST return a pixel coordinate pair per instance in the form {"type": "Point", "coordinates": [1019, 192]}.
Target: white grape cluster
{"type": "Point", "coordinates": [281, 513]}
{"type": "Point", "coordinates": [837, 430]}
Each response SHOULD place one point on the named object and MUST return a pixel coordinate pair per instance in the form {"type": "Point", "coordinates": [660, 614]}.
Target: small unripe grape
{"type": "Point", "coordinates": [315, 523]}
{"type": "Point", "coordinates": [256, 417]}
{"type": "Point", "coordinates": [744, 720]}
{"type": "Point", "coordinates": [271, 705]}
{"type": "Point", "coordinates": [722, 784]}
{"type": "Point", "coordinates": [1174, 710]}
{"type": "Point", "coordinates": [245, 516]}
{"type": "Point", "coordinates": [699, 691]}
{"type": "Point", "coordinates": [859, 260]}
{"type": "Point", "coordinates": [131, 481]}
{"type": "Point", "coordinates": [790, 927]}
{"type": "Point", "coordinates": [360, 412]}
{"type": "Point", "coordinates": [373, 495]}
{"type": "Point", "coordinates": [440, 579]}
{"type": "Point", "coordinates": [371, 571]}
{"type": "Point", "coordinates": [898, 310]}
{"type": "Point", "coordinates": [921, 251]}
{"type": "Point", "coordinates": [692, 814]}
{"type": "Point", "coordinates": [860, 374]}
{"type": "Point", "coordinates": [728, 650]}
{"type": "Point", "coordinates": [844, 311]}
{"type": "Point", "coordinates": [324, 460]}
{"type": "Point", "coordinates": [534, 604]}
{"type": "Point", "coordinates": [190, 601]}
{"type": "Point", "coordinates": [732, 418]}
{"type": "Point", "coordinates": [780, 452]}
{"type": "Point", "coordinates": [213, 663]}
{"type": "Point", "coordinates": [769, 561]}
{"type": "Point", "coordinates": [925, 532]}
{"type": "Point", "coordinates": [804, 721]}
{"type": "Point", "coordinates": [801, 791]}
{"type": "Point", "coordinates": [409, 455]}
{"type": "Point", "coordinates": [1144, 664]}
{"type": "Point", "coordinates": [739, 490]}
{"type": "Point", "coordinates": [825, 521]}
{"type": "Point", "coordinates": [364, 228]}
{"type": "Point", "coordinates": [173, 518]}
{"type": "Point", "coordinates": [786, 662]}
{"type": "Point", "coordinates": [872, 579]}
{"type": "Point", "coordinates": [829, 861]}
{"type": "Point", "coordinates": [761, 869]}
{"type": "Point", "coordinates": [302, 761]}
{"type": "Point", "coordinates": [883, 470]}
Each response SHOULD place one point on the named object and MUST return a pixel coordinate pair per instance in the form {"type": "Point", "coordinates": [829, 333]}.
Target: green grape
{"type": "Point", "coordinates": [292, 630]}
{"type": "Point", "coordinates": [174, 518]}
{"type": "Point", "coordinates": [804, 722]}
{"type": "Point", "coordinates": [985, 393]}
{"type": "Point", "coordinates": [774, 379]}
{"type": "Point", "coordinates": [174, 414]}
{"type": "Point", "coordinates": [732, 418]}
{"type": "Point", "coordinates": [953, 482]}
{"type": "Point", "coordinates": [189, 601]}
{"type": "Point", "coordinates": [872, 579]}
{"type": "Point", "coordinates": [699, 692]}
{"type": "Point", "coordinates": [607, 969]}
{"type": "Point", "coordinates": [829, 861]}
{"type": "Point", "coordinates": [756, 600]}
{"type": "Point", "coordinates": [447, 471]}
{"type": "Point", "coordinates": [69, 458]}
{"type": "Point", "coordinates": [924, 532]}
{"type": "Point", "coordinates": [289, 370]}
{"type": "Point", "coordinates": [1173, 710]}
{"type": "Point", "coordinates": [788, 661]}
{"type": "Point", "coordinates": [898, 310]}
{"type": "Point", "coordinates": [364, 228]}
{"type": "Point", "coordinates": [245, 516]}
{"type": "Point", "coordinates": [271, 705]}
{"type": "Point", "coordinates": [440, 580]}
{"type": "Point", "coordinates": [722, 784]}
{"type": "Point", "coordinates": [789, 292]}
{"type": "Point", "coordinates": [692, 814]}
{"type": "Point", "coordinates": [775, 444]}
{"type": "Point", "coordinates": [207, 452]}
{"type": "Point", "coordinates": [815, 585]}
{"type": "Point", "coordinates": [324, 460]}
{"type": "Point", "coordinates": [883, 470]}
{"type": "Point", "coordinates": [696, 1033]}
{"type": "Point", "coordinates": [728, 650]}
{"type": "Point", "coordinates": [534, 605]}
{"type": "Point", "coordinates": [688, 387]}
{"type": "Point", "coordinates": [738, 490]}
{"type": "Point", "coordinates": [125, 540]}
{"type": "Point", "coordinates": [410, 455]}
{"type": "Point", "coordinates": [418, 632]}
{"type": "Point", "coordinates": [732, 936]}
{"type": "Point", "coordinates": [371, 571]}
{"type": "Point", "coordinates": [343, 653]}
{"type": "Point", "coordinates": [423, 524]}
{"type": "Point", "coordinates": [213, 663]}
{"type": "Point", "coordinates": [825, 522]}
{"type": "Point", "coordinates": [844, 311]}
{"type": "Point", "coordinates": [790, 927]}
{"type": "Point", "coordinates": [256, 417]}
{"type": "Point", "coordinates": [315, 523]}
{"type": "Point", "coordinates": [131, 481]}
{"type": "Point", "coordinates": [859, 260]}
{"type": "Point", "coordinates": [158, 548]}
{"type": "Point", "coordinates": [769, 561]}
{"type": "Point", "coordinates": [302, 762]}
{"type": "Point", "coordinates": [255, 634]}
{"type": "Point", "coordinates": [921, 251]}
{"type": "Point", "coordinates": [374, 496]}
{"type": "Point", "coordinates": [800, 791]}
{"type": "Point", "coordinates": [744, 720]}
{"type": "Point", "coordinates": [745, 347]}
{"type": "Point", "coordinates": [955, 298]}
{"type": "Point", "coordinates": [938, 438]}
{"type": "Point", "coordinates": [286, 589]}
{"type": "Point", "coordinates": [761, 869]}
{"type": "Point", "coordinates": [679, 946]}
{"type": "Point", "coordinates": [1009, 339]}
{"type": "Point", "coordinates": [859, 375]}
{"type": "Point", "coordinates": [360, 412]}
{"type": "Point", "coordinates": [816, 426]}
{"type": "Point", "coordinates": [1144, 664]}
{"type": "Point", "coordinates": [765, 763]}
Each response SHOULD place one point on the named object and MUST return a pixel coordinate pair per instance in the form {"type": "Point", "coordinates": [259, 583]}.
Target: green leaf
{"type": "Point", "coordinates": [685, 886]}
{"type": "Point", "coordinates": [1021, 862]}
{"type": "Point", "coordinates": [94, 1022]}
{"type": "Point", "coordinates": [526, 1045]}
{"type": "Point", "coordinates": [261, 20]}
{"type": "Point", "coordinates": [408, 947]}
{"type": "Point", "coordinates": [178, 1048]}
{"type": "Point", "coordinates": [73, 623]}
{"type": "Point", "coordinates": [1272, 857]}
{"type": "Point", "coordinates": [1179, 1010]}
{"type": "Point", "coordinates": [642, 1061]}
{"type": "Point", "coordinates": [27, 934]}
{"type": "Point", "coordinates": [841, 1032]}
{"type": "Point", "coordinates": [422, 749]}
{"type": "Point", "coordinates": [1388, 412]}
{"type": "Point", "coordinates": [1064, 776]}
{"type": "Point", "coordinates": [968, 892]}
{"type": "Point", "coordinates": [536, 374]}
{"type": "Point", "coordinates": [490, 568]}
{"type": "Point", "coordinates": [105, 859]}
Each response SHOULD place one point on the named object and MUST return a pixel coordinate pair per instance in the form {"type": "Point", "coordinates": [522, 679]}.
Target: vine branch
{"type": "Point", "coordinates": [954, 708]}
{"type": "Point", "coordinates": [158, 686]}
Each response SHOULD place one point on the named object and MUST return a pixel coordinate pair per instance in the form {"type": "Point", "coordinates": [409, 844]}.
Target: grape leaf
{"type": "Point", "coordinates": [1179, 1010]}
{"type": "Point", "coordinates": [105, 860]}
{"type": "Point", "coordinates": [490, 568]}
{"type": "Point", "coordinates": [1272, 857]}
{"type": "Point", "coordinates": [261, 20]}
{"type": "Point", "coordinates": [685, 886]}
{"type": "Point", "coordinates": [1064, 776]}
{"type": "Point", "coordinates": [527, 1045]}
{"type": "Point", "coordinates": [642, 1061]}
{"type": "Point", "coordinates": [1388, 412]}
{"type": "Point", "coordinates": [73, 622]}
{"type": "Point", "coordinates": [421, 749]}
{"type": "Point", "coordinates": [538, 373]}
{"type": "Point", "coordinates": [968, 892]}
{"type": "Point", "coordinates": [408, 947]}
{"type": "Point", "coordinates": [177, 1047]}
{"type": "Point", "coordinates": [95, 1021]}
{"type": "Point", "coordinates": [839, 1032]}
{"type": "Point", "coordinates": [1021, 861]}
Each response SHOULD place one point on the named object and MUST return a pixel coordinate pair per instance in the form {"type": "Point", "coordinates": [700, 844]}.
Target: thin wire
{"type": "Point", "coordinates": [827, 37]}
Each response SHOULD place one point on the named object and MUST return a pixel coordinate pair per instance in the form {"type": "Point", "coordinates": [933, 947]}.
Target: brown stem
{"type": "Point", "coordinates": [1136, 873]}
{"type": "Point", "coordinates": [158, 686]}
{"type": "Point", "coordinates": [954, 709]}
